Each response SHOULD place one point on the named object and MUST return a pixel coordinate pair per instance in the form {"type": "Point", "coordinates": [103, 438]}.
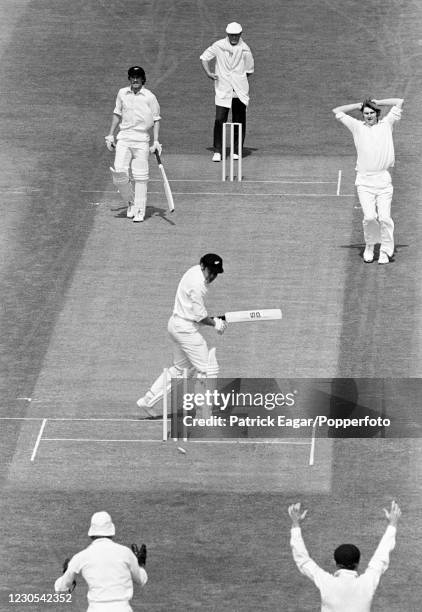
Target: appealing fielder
{"type": "Point", "coordinates": [346, 590]}
{"type": "Point", "coordinates": [233, 65]}
{"type": "Point", "coordinates": [109, 569]}
{"type": "Point", "coordinates": [190, 350]}
{"type": "Point", "coordinates": [375, 154]}
{"type": "Point", "coordinates": [135, 113]}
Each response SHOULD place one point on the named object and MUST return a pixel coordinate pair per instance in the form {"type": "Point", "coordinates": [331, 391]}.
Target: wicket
{"type": "Point", "coordinates": [173, 407]}
{"type": "Point", "coordinates": [232, 127]}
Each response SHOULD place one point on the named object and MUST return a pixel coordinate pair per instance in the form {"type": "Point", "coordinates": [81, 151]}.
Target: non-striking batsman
{"type": "Point", "coordinates": [232, 155]}
{"type": "Point", "coordinates": [136, 112]}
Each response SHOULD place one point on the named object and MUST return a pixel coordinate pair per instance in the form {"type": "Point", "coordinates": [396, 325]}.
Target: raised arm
{"type": "Point", "coordinates": [390, 102]}
{"type": "Point", "coordinates": [347, 108]}
{"type": "Point", "coordinates": [304, 563]}
{"type": "Point", "coordinates": [381, 557]}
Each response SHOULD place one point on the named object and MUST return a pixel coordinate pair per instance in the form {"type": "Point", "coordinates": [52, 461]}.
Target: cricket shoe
{"type": "Point", "coordinates": [368, 254]}
{"type": "Point", "coordinates": [216, 157]}
{"type": "Point", "coordinates": [138, 218]}
{"type": "Point", "coordinates": [130, 211]}
{"type": "Point", "coordinates": [147, 409]}
{"type": "Point", "coordinates": [383, 258]}
{"type": "Point", "coordinates": [235, 156]}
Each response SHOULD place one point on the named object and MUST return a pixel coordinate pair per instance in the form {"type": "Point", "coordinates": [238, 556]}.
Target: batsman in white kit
{"type": "Point", "coordinates": [190, 350]}
{"type": "Point", "coordinates": [136, 112]}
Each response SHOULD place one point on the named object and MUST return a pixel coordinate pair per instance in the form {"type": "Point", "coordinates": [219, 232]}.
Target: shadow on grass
{"type": "Point", "coordinates": [361, 248]}
{"type": "Point", "coordinates": [151, 211]}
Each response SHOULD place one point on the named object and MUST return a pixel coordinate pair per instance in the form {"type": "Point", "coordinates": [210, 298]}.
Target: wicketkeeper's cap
{"type": "Point", "coordinates": [347, 555]}
{"type": "Point", "coordinates": [136, 71]}
{"type": "Point", "coordinates": [234, 28]}
{"type": "Point", "coordinates": [101, 525]}
{"type": "Point", "coordinates": [212, 262]}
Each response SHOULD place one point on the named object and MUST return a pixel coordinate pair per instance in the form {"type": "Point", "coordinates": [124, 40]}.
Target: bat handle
{"type": "Point", "coordinates": [222, 317]}
{"type": "Point", "coordinates": [157, 155]}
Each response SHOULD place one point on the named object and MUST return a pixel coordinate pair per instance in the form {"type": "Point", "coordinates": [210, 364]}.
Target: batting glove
{"type": "Point", "coordinates": [110, 142]}
{"type": "Point", "coordinates": [220, 325]}
{"type": "Point", "coordinates": [140, 553]}
{"type": "Point", "coordinates": [156, 147]}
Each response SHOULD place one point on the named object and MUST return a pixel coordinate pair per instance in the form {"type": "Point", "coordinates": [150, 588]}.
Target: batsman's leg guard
{"type": "Point", "coordinates": [206, 382]}
{"type": "Point", "coordinates": [140, 173]}
{"type": "Point", "coordinates": [123, 185]}
{"type": "Point", "coordinates": [156, 392]}
{"type": "Point", "coordinates": [140, 201]}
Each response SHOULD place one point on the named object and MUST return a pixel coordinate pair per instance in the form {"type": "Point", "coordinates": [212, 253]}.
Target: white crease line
{"type": "Point", "coordinates": [80, 419]}
{"type": "Point", "coordinates": [34, 452]}
{"type": "Point", "coordinates": [339, 182]}
{"type": "Point", "coordinates": [230, 193]}
{"type": "Point", "coordinates": [312, 451]}
{"type": "Point", "coordinates": [256, 195]}
{"type": "Point", "coordinates": [190, 441]}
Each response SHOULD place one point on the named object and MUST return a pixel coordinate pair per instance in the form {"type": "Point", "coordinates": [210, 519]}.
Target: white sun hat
{"type": "Point", "coordinates": [234, 28]}
{"type": "Point", "coordinates": [101, 525]}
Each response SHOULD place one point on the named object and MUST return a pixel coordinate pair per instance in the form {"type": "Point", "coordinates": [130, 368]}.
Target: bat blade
{"type": "Point", "coordinates": [241, 316]}
{"type": "Point", "coordinates": [167, 190]}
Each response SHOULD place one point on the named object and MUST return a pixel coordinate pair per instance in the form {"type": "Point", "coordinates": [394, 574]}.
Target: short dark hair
{"type": "Point", "coordinates": [368, 102]}
{"type": "Point", "coordinates": [347, 555]}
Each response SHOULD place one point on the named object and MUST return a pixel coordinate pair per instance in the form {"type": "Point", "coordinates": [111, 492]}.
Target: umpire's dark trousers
{"type": "Point", "coordinates": [221, 116]}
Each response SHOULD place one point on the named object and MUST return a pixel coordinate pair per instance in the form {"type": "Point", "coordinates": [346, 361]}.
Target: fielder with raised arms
{"type": "Point", "coordinates": [190, 350]}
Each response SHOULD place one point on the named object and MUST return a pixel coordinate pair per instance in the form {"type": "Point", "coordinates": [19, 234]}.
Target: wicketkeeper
{"type": "Point", "coordinates": [135, 113]}
{"type": "Point", "coordinates": [108, 568]}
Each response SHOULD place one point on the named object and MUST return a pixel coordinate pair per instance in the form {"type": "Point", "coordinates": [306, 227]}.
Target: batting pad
{"type": "Point", "coordinates": [140, 169]}
{"type": "Point", "coordinates": [122, 184]}
{"type": "Point", "coordinates": [212, 367]}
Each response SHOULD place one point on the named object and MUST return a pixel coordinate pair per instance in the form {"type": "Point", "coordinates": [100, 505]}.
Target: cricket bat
{"type": "Point", "coordinates": [240, 316]}
{"type": "Point", "coordinates": [167, 190]}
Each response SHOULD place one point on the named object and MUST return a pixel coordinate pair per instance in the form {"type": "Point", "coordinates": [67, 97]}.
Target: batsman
{"type": "Point", "coordinates": [136, 112]}
{"type": "Point", "coordinates": [190, 350]}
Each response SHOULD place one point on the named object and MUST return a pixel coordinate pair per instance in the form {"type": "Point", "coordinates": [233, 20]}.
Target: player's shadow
{"type": "Point", "coordinates": [361, 248]}
{"type": "Point", "coordinates": [151, 211]}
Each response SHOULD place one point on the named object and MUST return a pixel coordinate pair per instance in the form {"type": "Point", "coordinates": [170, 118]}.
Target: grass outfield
{"type": "Point", "coordinates": [87, 294]}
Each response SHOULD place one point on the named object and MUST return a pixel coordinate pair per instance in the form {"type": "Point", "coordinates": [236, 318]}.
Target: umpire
{"type": "Point", "coordinates": [108, 568]}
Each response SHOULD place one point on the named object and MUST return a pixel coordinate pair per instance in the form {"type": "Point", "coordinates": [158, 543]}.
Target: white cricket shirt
{"type": "Point", "coordinates": [232, 64]}
{"type": "Point", "coordinates": [346, 590]}
{"type": "Point", "coordinates": [189, 301]}
{"type": "Point", "coordinates": [374, 144]}
{"type": "Point", "coordinates": [138, 112]}
{"type": "Point", "coordinates": [108, 568]}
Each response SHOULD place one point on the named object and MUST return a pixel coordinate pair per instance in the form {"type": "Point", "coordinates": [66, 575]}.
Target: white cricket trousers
{"type": "Point", "coordinates": [189, 346]}
{"type": "Point", "coordinates": [378, 226]}
{"type": "Point", "coordinates": [134, 155]}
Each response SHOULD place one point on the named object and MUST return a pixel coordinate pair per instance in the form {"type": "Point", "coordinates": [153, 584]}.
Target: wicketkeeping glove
{"type": "Point", "coordinates": [65, 566]}
{"type": "Point", "coordinates": [110, 142]}
{"type": "Point", "coordinates": [140, 553]}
